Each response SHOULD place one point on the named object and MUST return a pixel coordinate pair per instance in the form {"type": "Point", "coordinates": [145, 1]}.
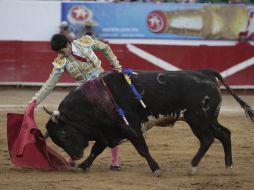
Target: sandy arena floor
{"type": "Point", "coordinates": [172, 148]}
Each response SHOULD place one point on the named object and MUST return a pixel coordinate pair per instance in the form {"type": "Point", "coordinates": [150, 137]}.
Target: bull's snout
{"type": "Point", "coordinates": [77, 156]}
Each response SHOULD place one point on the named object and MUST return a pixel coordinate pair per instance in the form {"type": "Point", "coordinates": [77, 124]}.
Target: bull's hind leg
{"type": "Point", "coordinates": [224, 136]}
{"type": "Point", "coordinates": [200, 127]}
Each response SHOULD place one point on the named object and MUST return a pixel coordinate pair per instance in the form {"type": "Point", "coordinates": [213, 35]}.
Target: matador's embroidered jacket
{"type": "Point", "coordinates": [79, 70]}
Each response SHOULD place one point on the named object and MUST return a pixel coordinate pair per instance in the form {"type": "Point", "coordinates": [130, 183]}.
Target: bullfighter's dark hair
{"type": "Point", "coordinates": [58, 42]}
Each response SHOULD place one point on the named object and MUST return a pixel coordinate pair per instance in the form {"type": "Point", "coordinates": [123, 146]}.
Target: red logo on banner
{"type": "Point", "coordinates": [156, 21]}
{"type": "Point", "coordinates": [79, 13]}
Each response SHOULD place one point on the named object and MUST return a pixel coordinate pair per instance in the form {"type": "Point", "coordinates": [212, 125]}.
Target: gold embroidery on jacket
{"type": "Point", "coordinates": [59, 61]}
{"type": "Point", "coordinates": [75, 72]}
{"type": "Point", "coordinates": [85, 41]}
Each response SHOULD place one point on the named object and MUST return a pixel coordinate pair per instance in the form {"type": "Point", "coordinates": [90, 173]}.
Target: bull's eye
{"type": "Point", "coordinates": [63, 133]}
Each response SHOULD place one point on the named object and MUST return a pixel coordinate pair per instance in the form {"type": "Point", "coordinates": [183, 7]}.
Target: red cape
{"type": "Point", "coordinates": [26, 144]}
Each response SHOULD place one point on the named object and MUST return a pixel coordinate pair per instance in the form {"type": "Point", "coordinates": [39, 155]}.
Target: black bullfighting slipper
{"type": "Point", "coordinates": [115, 168]}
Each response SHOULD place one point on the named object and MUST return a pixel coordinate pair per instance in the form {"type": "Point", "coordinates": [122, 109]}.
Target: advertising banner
{"type": "Point", "coordinates": [161, 21]}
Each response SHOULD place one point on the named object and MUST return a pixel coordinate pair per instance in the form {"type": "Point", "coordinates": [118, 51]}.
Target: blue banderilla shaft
{"type": "Point", "coordinates": [122, 114]}
{"type": "Point", "coordinates": [126, 74]}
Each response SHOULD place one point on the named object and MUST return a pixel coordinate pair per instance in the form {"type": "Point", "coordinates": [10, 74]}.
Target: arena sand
{"type": "Point", "coordinates": [173, 149]}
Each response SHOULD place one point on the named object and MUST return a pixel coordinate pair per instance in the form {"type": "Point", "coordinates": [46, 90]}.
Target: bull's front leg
{"type": "Point", "coordinates": [141, 147]}
{"type": "Point", "coordinates": [97, 149]}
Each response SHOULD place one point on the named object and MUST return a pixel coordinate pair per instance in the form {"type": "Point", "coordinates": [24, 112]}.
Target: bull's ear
{"type": "Point", "coordinates": [55, 114]}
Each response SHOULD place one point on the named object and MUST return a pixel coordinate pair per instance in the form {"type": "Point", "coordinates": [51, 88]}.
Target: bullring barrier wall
{"type": "Point", "coordinates": [27, 26]}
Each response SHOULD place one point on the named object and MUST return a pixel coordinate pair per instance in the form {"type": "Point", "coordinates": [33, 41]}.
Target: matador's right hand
{"type": "Point", "coordinates": [118, 70]}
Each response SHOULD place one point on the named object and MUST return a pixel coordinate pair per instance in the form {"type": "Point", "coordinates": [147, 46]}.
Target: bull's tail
{"type": "Point", "coordinates": [248, 110]}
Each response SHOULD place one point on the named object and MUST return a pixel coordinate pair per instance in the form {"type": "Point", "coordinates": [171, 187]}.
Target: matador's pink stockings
{"type": "Point", "coordinates": [114, 153]}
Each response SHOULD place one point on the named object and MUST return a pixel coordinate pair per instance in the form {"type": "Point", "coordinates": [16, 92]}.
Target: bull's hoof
{"type": "Point", "coordinates": [76, 169]}
{"type": "Point", "coordinates": [193, 170]}
{"type": "Point", "coordinates": [157, 173]}
{"type": "Point", "coordinates": [84, 169]}
{"type": "Point", "coordinates": [229, 170]}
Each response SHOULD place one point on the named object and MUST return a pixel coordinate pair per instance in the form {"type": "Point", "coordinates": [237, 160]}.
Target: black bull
{"type": "Point", "coordinates": [86, 113]}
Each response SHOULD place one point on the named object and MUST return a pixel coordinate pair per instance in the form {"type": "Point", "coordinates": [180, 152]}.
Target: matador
{"type": "Point", "coordinates": [81, 63]}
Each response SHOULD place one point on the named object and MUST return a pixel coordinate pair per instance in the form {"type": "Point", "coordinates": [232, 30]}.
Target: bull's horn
{"type": "Point", "coordinates": [52, 113]}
